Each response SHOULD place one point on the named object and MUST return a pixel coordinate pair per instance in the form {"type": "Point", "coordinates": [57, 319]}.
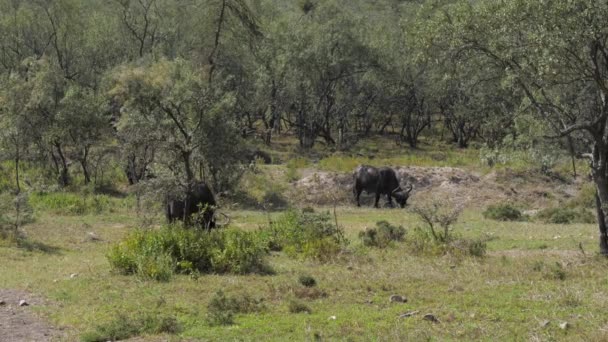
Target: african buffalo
{"type": "Point", "coordinates": [379, 181]}
{"type": "Point", "coordinates": [200, 198]}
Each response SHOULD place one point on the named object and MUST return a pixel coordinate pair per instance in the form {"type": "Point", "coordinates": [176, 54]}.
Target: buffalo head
{"type": "Point", "coordinates": [401, 195]}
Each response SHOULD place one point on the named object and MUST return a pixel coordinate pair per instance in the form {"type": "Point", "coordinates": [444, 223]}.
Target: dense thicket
{"type": "Point", "coordinates": [175, 87]}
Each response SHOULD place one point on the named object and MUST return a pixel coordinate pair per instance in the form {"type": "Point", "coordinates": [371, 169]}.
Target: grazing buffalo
{"type": "Point", "coordinates": [199, 201]}
{"type": "Point", "coordinates": [379, 181]}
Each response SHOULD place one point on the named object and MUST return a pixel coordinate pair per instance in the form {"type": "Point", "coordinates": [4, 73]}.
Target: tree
{"type": "Point", "coordinates": [190, 118]}
{"type": "Point", "coordinates": [555, 54]}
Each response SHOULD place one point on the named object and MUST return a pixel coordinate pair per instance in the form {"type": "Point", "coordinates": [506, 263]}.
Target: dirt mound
{"type": "Point", "coordinates": [328, 188]}
{"type": "Point", "coordinates": [18, 323]}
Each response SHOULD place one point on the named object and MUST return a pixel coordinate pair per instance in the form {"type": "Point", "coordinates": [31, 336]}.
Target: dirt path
{"type": "Point", "coordinates": [19, 323]}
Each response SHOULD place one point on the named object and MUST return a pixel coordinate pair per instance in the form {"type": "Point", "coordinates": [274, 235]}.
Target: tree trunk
{"type": "Point", "coordinates": [85, 167]}
{"type": "Point", "coordinates": [598, 171]}
{"type": "Point", "coordinates": [601, 220]}
{"type": "Point", "coordinates": [64, 178]}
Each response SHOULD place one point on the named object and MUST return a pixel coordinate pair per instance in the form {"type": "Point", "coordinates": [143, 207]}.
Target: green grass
{"type": "Point", "coordinates": [502, 296]}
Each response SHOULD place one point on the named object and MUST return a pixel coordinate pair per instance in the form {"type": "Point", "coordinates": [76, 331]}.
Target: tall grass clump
{"type": "Point", "coordinates": [293, 165]}
{"type": "Point", "coordinates": [158, 254]}
{"type": "Point", "coordinates": [15, 212]}
{"type": "Point", "coordinates": [123, 327]}
{"type": "Point", "coordinates": [383, 235]}
{"type": "Point", "coordinates": [503, 212]}
{"type": "Point", "coordinates": [563, 215]}
{"type": "Point", "coordinates": [305, 234]}
{"type": "Point", "coordinates": [222, 308]}
{"type": "Point", "coordinates": [66, 203]}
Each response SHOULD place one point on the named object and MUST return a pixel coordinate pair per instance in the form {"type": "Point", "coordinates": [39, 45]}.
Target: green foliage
{"type": "Point", "coordinates": [309, 235]}
{"type": "Point", "coordinates": [296, 306]}
{"type": "Point", "coordinates": [222, 309]}
{"type": "Point", "coordinates": [307, 280]}
{"type": "Point", "coordinates": [123, 327]}
{"type": "Point", "coordinates": [563, 215]}
{"type": "Point", "coordinates": [503, 212]}
{"type": "Point", "coordinates": [274, 200]}
{"type": "Point", "coordinates": [67, 203]}
{"type": "Point", "coordinates": [585, 197]}
{"type": "Point", "coordinates": [158, 254]}
{"type": "Point", "coordinates": [292, 168]}
{"type": "Point", "coordinates": [383, 235]}
{"type": "Point", "coordinates": [15, 212]}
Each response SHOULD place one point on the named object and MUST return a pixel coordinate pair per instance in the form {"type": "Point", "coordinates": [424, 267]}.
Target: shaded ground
{"type": "Point", "coordinates": [19, 323]}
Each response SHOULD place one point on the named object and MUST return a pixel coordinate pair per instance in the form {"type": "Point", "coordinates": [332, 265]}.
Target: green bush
{"type": "Point", "coordinates": [503, 212]}
{"type": "Point", "coordinates": [157, 254]}
{"type": "Point", "coordinates": [123, 327]}
{"type": "Point", "coordinates": [222, 309]}
{"type": "Point", "coordinates": [296, 306]}
{"type": "Point", "coordinates": [292, 166]}
{"type": "Point", "coordinates": [382, 236]}
{"type": "Point", "coordinates": [307, 281]}
{"type": "Point", "coordinates": [275, 200]}
{"type": "Point", "coordinates": [566, 215]}
{"type": "Point", "coordinates": [305, 234]}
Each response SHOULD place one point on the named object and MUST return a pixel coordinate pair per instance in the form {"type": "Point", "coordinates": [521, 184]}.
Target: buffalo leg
{"type": "Point", "coordinates": [357, 194]}
{"type": "Point", "coordinates": [390, 200]}
{"type": "Point", "coordinates": [377, 200]}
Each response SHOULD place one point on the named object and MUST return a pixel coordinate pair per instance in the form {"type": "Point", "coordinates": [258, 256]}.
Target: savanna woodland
{"type": "Point", "coordinates": [185, 170]}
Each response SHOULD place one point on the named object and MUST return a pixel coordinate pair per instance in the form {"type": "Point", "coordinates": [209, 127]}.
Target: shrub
{"type": "Point", "coordinates": [383, 235]}
{"type": "Point", "coordinates": [296, 306]}
{"type": "Point", "coordinates": [307, 281]}
{"type": "Point", "coordinates": [585, 198]}
{"type": "Point", "coordinates": [274, 199]}
{"type": "Point", "coordinates": [123, 327]}
{"type": "Point", "coordinates": [221, 309]}
{"type": "Point", "coordinates": [472, 247]}
{"type": "Point", "coordinates": [15, 211]}
{"type": "Point", "coordinates": [502, 212]}
{"type": "Point", "coordinates": [157, 254]}
{"type": "Point", "coordinates": [292, 166]}
{"type": "Point", "coordinates": [438, 218]}
{"type": "Point", "coordinates": [310, 235]}
{"type": "Point", "coordinates": [436, 236]}
{"type": "Point", "coordinates": [565, 215]}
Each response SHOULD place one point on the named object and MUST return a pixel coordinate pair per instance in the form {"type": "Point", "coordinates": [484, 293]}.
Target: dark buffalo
{"type": "Point", "coordinates": [199, 202]}
{"type": "Point", "coordinates": [379, 181]}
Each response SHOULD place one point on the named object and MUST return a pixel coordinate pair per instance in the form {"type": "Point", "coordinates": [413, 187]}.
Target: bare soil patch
{"type": "Point", "coordinates": [533, 189]}
{"type": "Point", "coordinates": [19, 323]}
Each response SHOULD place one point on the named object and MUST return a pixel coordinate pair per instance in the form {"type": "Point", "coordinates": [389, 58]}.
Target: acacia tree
{"type": "Point", "coordinates": [176, 104]}
{"type": "Point", "coordinates": [553, 53]}
{"type": "Point", "coordinates": [327, 60]}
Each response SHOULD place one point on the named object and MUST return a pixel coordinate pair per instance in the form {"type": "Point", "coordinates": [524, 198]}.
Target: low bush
{"type": "Point", "coordinates": [15, 211]}
{"type": "Point", "coordinates": [436, 235]}
{"type": "Point", "coordinates": [383, 235]}
{"type": "Point", "coordinates": [296, 306]}
{"type": "Point", "coordinates": [305, 234]}
{"type": "Point", "coordinates": [293, 166]}
{"type": "Point", "coordinates": [566, 215]}
{"type": "Point", "coordinates": [503, 212]}
{"type": "Point", "coordinates": [158, 254]}
{"type": "Point", "coordinates": [123, 327]}
{"type": "Point", "coordinates": [274, 200]}
{"type": "Point", "coordinates": [307, 281]}
{"type": "Point", "coordinates": [222, 309]}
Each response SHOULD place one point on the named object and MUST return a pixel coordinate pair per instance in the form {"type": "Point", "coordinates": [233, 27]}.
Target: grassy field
{"type": "Point", "coordinates": [532, 273]}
